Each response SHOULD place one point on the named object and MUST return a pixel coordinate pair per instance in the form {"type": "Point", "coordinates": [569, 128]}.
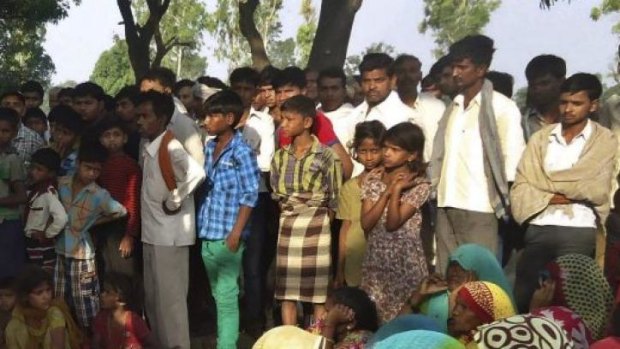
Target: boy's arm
{"type": "Point", "coordinates": [188, 174]}
{"type": "Point", "coordinates": [134, 184]}
{"type": "Point", "coordinates": [333, 179]}
{"type": "Point", "coordinates": [248, 178]}
{"type": "Point", "coordinates": [110, 209]}
{"type": "Point", "coordinates": [58, 214]}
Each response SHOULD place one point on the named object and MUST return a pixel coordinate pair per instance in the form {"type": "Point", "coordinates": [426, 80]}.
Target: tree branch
{"type": "Point", "coordinates": [248, 29]}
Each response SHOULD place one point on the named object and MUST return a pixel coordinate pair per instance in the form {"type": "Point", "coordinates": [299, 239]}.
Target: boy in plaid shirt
{"type": "Point", "coordinates": [232, 192]}
{"type": "Point", "coordinates": [86, 204]}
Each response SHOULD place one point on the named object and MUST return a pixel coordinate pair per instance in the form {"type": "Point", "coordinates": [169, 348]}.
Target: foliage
{"type": "Point", "coordinates": [34, 12]}
{"type": "Point", "coordinates": [352, 63]}
{"type": "Point", "coordinates": [607, 7]}
{"type": "Point", "coordinates": [283, 53]}
{"type": "Point", "coordinates": [113, 68]}
{"type": "Point", "coordinates": [306, 32]}
{"type": "Point", "coordinates": [451, 20]}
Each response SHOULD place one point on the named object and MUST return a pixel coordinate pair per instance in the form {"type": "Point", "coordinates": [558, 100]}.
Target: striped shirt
{"type": "Point", "coordinates": [315, 179]}
{"type": "Point", "coordinates": [232, 181]}
{"type": "Point", "coordinates": [83, 210]}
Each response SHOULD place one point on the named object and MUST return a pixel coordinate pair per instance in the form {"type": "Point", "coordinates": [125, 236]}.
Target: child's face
{"type": "Point", "coordinates": [36, 124]}
{"type": "Point", "coordinates": [293, 124]}
{"type": "Point", "coordinates": [40, 173]}
{"type": "Point", "coordinates": [246, 91]}
{"type": "Point", "coordinates": [126, 110]}
{"type": "Point", "coordinates": [41, 297]}
{"type": "Point", "coordinates": [150, 125]}
{"type": "Point", "coordinates": [14, 103]}
{"type": "Point", "coordinates": [33, 99]}
{"type": "Point", "coordinates": [88, 107]}
{"type": "Point", "coordinates": [369, 154]}
{"type": "Point", "coordinates": [217, 123]}
{"type": "Point", "coordinates": [63, 136]}
{"type": "Point", "coordinates": [88, 172]}
{"type": "Point", "coordinates": [7, 299]}
{"type": "Point", "coordinates": [395, 156]}
{"type": "Point", "coordinates": [7, 133]}
{"type": "Point", "coordinates": [113, 140]}
{"type": "Point", "coordinates": [108, 298]}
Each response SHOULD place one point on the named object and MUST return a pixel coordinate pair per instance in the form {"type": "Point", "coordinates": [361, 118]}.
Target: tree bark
{"type": "Point", "coordinates": [248, 29]}
{"type": "Point", "coordinates": [331, 41]}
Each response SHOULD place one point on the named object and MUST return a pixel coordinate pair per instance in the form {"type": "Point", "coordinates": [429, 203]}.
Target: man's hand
{"type": "Point", "coordinates": [232, 242]}
{"type": "Point", "coordinates": [560, 199]}
{"type": "Point", "coordinates": [126, 246]}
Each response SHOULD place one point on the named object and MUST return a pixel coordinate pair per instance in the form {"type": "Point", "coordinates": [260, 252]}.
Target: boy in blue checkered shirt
{"type": "Point", "coordinates": [224, 213]}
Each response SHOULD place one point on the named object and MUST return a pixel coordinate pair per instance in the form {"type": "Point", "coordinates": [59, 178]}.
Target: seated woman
{"type": "Point", "coordinates": [521, 331]}
{"type": "Point", "coordinates": [469, 262]}
{"type": "Point", "coordinates": [404, 323]}
{"type": "Point", "coordinates": [39, 320]}
{"type": "Point", "coordinates": [571, 323]}
{"type": "Point", "coordinates": [419, 339]}
{"type": "Point", "coordinates": [475, 304]}
{"type": "Point", "coordinates": [576, 282]}
{"type": "Point", "coordinates": [350, 321]}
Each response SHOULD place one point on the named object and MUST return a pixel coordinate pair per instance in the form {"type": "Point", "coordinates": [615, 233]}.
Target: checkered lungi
{"type": "Point", "coordinates": [76, 281]}
{"type": "Point", "coordinates": [42, 254]}
{"type": "Point", "coordinates": [303, 254]}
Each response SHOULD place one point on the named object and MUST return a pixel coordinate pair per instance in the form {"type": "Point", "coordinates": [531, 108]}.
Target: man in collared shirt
{"type": "Point", "coordinates": [168, 220]}
{"type": "Point", "coordinates": [563, 184]}
{"type": "Point", "coordinates": [475, 155]}
{"type": "Point", "coordinates": [27, 141]}
{"type": "Point", "coordinates": [224, 214]}
{"type": "Point", "coordinates": [545, 74]}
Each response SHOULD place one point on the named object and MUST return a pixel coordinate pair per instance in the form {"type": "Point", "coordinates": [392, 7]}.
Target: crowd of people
{"type": "Point", "coordinates": [314, 210]}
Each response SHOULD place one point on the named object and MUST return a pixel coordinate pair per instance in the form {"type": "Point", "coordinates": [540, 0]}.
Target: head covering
{"type": "Point", "coordinates": [405, 323]}
{"type": "Point", "coordinates": [521, 331]}
{"type": "Point", "coordinates": [419, 339]}
{"type": "Point", "coordinates": [607, 343]}
{"type": "Point", "coordinates": [203, 92]}
{"type": "Point", "coordinates": [582, 287]}
{"type": "Point", "coordinates": [286, 337]}
{"type": "Point", "coordinates": [488, 301]}
{"type": "Point", "coordinates": [476, 259]}
{"type": "Point", "coordinates": [572, 324]}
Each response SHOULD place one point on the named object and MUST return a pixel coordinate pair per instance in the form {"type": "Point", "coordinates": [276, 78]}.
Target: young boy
{"type": "Point", "coordinates": [33, 93]}
{"type": "Point", "coordinates": [27, 141]}
{"type": "Point", "coordinates": [125, 110]}
{"type": "Point", "coordinates": [12, 195]}
{"type": "Point", "coordinates": [305, 178]}
{"type": "Point", "coordinates": [89, 102]}
{"type": "Point", "coordinates": [168, 229]}
{"type": "Point", "coordinates": [44, 213]}
{"type": "Point", "coordinates": [232, 192]}
{"type": "Point", "coordinates": [86, 204]}
{"type": "Point", "coordinates": [8, 299]}
{"type": "Point", "coordinates": [122, 178]}
{"type": "Point", "coordinates": [36, 120]}
{"type": "Point", "coordinates": [68, 128]}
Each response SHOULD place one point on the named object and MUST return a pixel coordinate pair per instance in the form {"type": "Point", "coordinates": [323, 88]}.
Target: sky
{"type": "Point", "coordinates": [521, 30]}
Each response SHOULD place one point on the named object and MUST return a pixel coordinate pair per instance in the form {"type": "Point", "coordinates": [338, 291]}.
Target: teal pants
{"type": "Point", "coordinates": [223, 267]}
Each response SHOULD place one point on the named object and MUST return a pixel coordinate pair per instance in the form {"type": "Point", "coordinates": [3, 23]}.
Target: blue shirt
{"type": "Point", "coordinates": [232, 181]}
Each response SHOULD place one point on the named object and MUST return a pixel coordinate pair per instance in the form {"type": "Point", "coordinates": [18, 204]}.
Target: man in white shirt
{"type": "Point", "coordinates": [563, 184]}
{"type": "Point", "coordinates": [475, 154]}
{"type": "Point", "coordinates": [184, 128]}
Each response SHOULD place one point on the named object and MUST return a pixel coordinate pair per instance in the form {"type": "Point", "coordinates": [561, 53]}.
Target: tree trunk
{"type": "Point", "coordinates": [248, 29]}
{"type": "Point", "coordinates": [179, 61]}
{"type": "Point", "coordinates": [333, 33]}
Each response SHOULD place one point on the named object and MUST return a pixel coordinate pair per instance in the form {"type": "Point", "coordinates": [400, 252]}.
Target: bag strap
{"type": "Point", "coordinates": [165, 163]}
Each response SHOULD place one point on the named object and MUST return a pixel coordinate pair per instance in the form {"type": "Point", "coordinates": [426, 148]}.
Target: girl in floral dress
{"type": "Point", "coordinates": [394, 263]}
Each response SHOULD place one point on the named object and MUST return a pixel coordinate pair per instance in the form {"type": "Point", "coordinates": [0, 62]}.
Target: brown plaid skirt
{"type": "Point", "coordinates": [303, 254]}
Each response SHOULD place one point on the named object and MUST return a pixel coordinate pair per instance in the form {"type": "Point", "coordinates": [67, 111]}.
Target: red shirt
{"type": "Point", "coordinates": [131, 337]}
{"type": "Point", "coordinates": [121, 176]}
{"type": "Point", "coordinates": [322, 129]}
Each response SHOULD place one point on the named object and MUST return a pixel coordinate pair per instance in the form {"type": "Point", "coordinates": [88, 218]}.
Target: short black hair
{"type": "Point", "coordinates": [129, 92]}
{"type": "Point", "coordinates": [32, 86]}
{"type": "Point", "coordinates": [583, 82]}
{"type": "Point", "coordinates": [368, 129]}
{"type": "Point", "coordinates": [7, 283]}
{"type": "Point", "coordinates": [163, 104]}
{"type": "Point", "coordinates": [267, 75]}
{"type": "Point", "coordinates": [293, 76]}
{"type": "Point", "coordinates": [333, 73]}
{"type": "Point", "coordinates": [182, 83]}
{"type": "Point", "coordinates": [89, 89]}
{"type": "Point", "coordinates": [46, 157]}
{"type": "Point", "coordinates": [31, 277]}
{"type": "Point", "coordinates": [67, 117]}
{"type": "Point", "coordinates": [110, 123]}
{"type": "Point", "coordinates": [92, 151]}
{"type": "Point", "coordinates": [438, 67]}
{"type": "Point", "coordinates": [543, 65]}
{"type": "Point", "coordinates": [9, 115]}
{"type": "Point", "coordinates": [164, 76]}
{"type": "Point", "coordinates": [401, 59]}
{"type": "Point", "coordinates": [502, 82]}
{"type": "Point", "coordinates": [212, 82]}
{"type": "Point", "coordinates": [122, 285]}
{"type": "Point", "coordinates": [224, 102]}
{"type": "Point", "coordinates": [376, 60]}
{"type": "Point", "coordinates": [363, 307]}
{"type": "Point", "coordinates": [34, 113]}
{"type": "Point", "coordinates": [477, 48]}
{"type": "Point", "coordinates": [66, 92]}
{"type": "Point", "coordinates": [301, 105]}
{"type": "Point", "coordinates": [13, 94]}
{"type": "Point", "coordinates": [244, 74]}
